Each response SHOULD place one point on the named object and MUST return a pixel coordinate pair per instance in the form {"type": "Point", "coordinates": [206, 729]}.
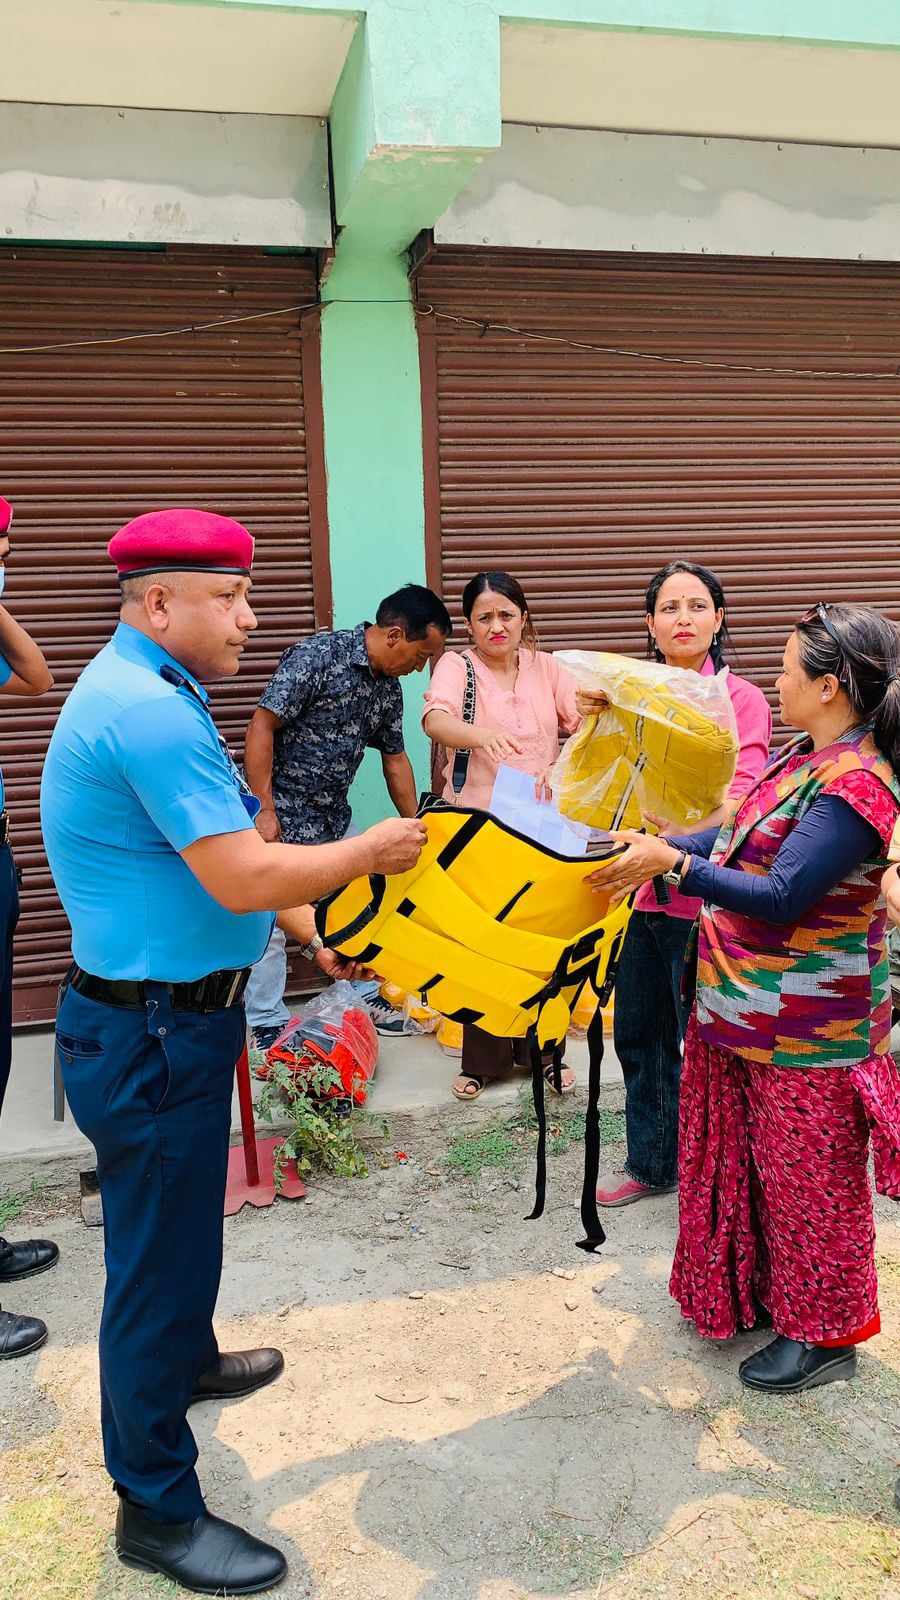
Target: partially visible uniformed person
{"type": "Point", "coordinates": [24, 673]}
{"type": "Point", "coordinates": [170, 891]}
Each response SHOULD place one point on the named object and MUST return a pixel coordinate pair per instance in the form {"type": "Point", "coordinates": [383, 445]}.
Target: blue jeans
{"type": "Point", "coordinates": [9, 916]}
{"type": "Point", "coordinates": [151, 1089]}
{"type": "Point", "coordinates": [264, 994]}
{"type": "Point", "coordinates": [649, 1022]}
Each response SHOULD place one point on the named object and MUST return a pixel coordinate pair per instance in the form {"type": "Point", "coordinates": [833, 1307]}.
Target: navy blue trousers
{"type": "Point", "coordinates": [151, 1089]}
{"type": "Point", "coordinates": [9, 916]}
{"type": "Point", "coordinates": [649, 1022]}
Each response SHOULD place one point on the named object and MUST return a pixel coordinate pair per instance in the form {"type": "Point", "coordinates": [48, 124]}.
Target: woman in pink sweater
{"type": "Point", "coordinates": [523, 697]}
{"type": "Point", "coordinates": [686, 627]}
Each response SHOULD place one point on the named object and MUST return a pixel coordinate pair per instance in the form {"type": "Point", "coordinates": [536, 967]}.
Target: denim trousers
{"type": "Point", "coordinates": [649, 1023]}
{"type": "Point", "coordinates": [151, 1089]}
{"type": "Point", "coordinates": [264, 994]}
{"type": "Point", "coordinates": [9, 916]}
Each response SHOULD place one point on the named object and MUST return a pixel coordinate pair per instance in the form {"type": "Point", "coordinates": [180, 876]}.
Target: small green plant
{"type": "Point", "coordinates": [11, 1207]}
{"type": "Point", "coordinates": [469, 1153]}
{"type": "Point", "coordinates": [500, 1143]}
{"type": "Point", "coordinates": [565, 1127]}
{"type": "Point", "coordinates": [567, 1558]}
{"type": "Point", "coordinates": [323, 1134]}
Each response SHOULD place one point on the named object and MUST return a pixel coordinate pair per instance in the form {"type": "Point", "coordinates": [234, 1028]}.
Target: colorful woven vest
{"type": "Point", "coordinates": [815, 994]}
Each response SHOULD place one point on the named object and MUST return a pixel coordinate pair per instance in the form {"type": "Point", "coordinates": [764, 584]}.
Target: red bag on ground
{"type": "Point", "coordinates": [333, 1030]}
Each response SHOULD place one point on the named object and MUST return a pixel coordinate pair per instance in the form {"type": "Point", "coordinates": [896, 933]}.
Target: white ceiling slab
{"type": "Point", "coordinates": [171, 56]}
{"type": "Point", "coordinates": [666, 83]}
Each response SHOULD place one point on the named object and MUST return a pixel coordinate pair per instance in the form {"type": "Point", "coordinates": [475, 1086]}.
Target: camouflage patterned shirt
{"type": "Point", "coordinates": [333, 707]}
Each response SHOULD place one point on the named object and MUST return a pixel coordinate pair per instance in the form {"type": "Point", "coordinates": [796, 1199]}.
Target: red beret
{"type": "Point", "coordinates": [181, 541]}
{"type": "Point", "coordinates": [6, 511]}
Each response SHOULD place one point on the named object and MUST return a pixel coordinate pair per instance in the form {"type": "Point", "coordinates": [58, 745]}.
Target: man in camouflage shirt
{"type": "Point", "coordinates": [332, 697]}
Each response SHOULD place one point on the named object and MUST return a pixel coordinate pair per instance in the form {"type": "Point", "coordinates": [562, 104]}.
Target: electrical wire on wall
{"type": "Point", "coordinates": [483, 326]}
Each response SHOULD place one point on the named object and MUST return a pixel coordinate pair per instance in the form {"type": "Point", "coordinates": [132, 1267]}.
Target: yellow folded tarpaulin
{"type": "Point", "coordinates": [488, 927]}
{"type": "Point", "coordinates": [492, 929]}
{"type": "Point", "coordinates": [667, 746]}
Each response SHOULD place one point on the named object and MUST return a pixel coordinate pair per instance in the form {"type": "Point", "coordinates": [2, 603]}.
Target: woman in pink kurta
{"type": "Point", "coordinates": [523, 698]}
{"type": "Point", "coordinates": [685, 611]}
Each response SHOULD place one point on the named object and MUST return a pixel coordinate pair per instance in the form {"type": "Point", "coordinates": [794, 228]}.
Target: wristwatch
{"type": "Point", "coordinates": [311, 950]}
{"type": "Point", "coordinates": [673, 876]}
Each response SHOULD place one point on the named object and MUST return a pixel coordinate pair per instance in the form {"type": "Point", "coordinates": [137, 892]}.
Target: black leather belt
{"type": "Point", "coordinates": [215, 992]}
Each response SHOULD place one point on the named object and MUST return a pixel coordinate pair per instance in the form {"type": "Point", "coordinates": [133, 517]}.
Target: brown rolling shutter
{"type": "Point", "coordinates": [227, 418]}
{"type": "Point", "coordinates": [583, 472]}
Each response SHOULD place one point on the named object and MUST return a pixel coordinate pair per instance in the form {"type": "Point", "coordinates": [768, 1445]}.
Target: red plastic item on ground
{"type": "Point", "coordinates": [331, 1033]}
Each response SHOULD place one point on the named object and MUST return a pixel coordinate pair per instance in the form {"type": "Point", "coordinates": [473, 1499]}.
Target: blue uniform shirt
{"type": "Point", "coordinates": [135, 773]}
{"type": "Point", "coordinates": [5, 675]}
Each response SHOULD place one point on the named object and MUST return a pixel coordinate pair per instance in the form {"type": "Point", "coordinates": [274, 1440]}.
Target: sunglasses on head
{"type": "Point", "coordinates": [819, 613]}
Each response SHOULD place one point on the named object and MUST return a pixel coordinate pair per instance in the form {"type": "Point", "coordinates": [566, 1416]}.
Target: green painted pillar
{"type": "Point", "coordinates": [373, 452]}
{"type": "Point", "coordinates": [417, 107]}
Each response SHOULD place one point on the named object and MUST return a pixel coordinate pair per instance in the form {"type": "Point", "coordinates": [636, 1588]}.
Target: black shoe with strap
{"type": "Point", "coordinates": [26, 1259]}
{"type": "Point", "coordinates": [19, 1336]}
{"type": "Point", "coordinates": [238, 1374]}
{"type": "Point", "coordinates": [788, 1366]}
{"type": "Point", "coordinates": [207, 1556]}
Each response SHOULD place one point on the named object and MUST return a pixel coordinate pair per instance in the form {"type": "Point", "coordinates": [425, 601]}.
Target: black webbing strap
{"type": "Point", "coordinates": [590, 1221]}
{"type": "Point", "coordinates": [461, 758]}
{"type": "Point", "coordinates": [540, 1111]}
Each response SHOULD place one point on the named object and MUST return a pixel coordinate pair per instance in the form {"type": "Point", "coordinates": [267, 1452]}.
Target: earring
{"type": "Point", "coordinates": [715, 639]}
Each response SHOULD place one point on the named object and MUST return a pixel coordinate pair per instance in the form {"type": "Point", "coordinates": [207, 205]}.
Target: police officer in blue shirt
{"type": "Point", "coordinates": [170, 891]}
{"type": "Point", "coordinates": [24, 673]}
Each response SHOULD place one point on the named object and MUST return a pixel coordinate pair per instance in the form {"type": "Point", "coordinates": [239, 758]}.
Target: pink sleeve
{"type": "Point", "coordinates": [447, 687]}
{"type": "Point", "coordinates": [754, 726]}
{"type": "Point", "coordinates": [564, 690]}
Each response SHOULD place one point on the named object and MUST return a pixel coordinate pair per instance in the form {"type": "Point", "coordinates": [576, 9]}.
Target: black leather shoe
{"type": "Point", "coordinates": [207, 1556]}
{"type": "Point", "coordinates": [20, 1335]}
{"type": "Point", "coordinates": [238, 1374]}
{"type": "Point", "coordinates": [26, 1259]}
{"type": "Point", "coordinates": [787, 1366]}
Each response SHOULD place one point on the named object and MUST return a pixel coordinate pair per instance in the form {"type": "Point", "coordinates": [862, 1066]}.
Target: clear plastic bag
{"type": "Point", "coordinates": [333, 1030]}
{"type": "Point", "coordinates": [417, 1017]}
{"type": "Point", "coordinates": [666, 746]}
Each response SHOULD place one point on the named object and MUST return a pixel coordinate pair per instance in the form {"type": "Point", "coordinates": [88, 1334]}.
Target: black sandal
{"type": "Point", "coordinates": [550, 1079]}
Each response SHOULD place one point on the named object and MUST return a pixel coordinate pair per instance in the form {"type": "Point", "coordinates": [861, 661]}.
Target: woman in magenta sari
{"type": "Point", "coordinates": [787, 1071]}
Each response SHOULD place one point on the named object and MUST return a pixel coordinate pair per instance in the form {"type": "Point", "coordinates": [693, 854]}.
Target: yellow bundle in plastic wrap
{"type": "Point", "coordinates": [666, 746]}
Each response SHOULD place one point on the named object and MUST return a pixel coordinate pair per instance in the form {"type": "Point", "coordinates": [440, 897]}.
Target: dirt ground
{"type": "Point", "coordinates": [473, 1409]}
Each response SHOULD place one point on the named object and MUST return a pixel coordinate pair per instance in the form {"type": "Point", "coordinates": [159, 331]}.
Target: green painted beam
{"type": "Point", "coordinates": [417, 106]}
{"type": "Point", "coordinates": [874, 23]}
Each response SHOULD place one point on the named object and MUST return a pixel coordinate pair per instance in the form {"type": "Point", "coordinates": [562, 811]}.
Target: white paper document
{"type": "Point", "coordinates": [513, 802]}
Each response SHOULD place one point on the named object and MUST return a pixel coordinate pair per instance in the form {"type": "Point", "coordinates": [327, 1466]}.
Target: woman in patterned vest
{"type": "Point", "coordinates": [787, 1070]}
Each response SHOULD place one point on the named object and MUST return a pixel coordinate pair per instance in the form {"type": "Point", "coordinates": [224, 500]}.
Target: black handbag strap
{"type": "Point", "coordinates": [461, 757]}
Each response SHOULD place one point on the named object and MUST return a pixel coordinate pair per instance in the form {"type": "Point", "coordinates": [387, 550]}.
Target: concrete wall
{"type": "Point", "coordinates": [578, 189]}
{"type": "Point", "coordinates": [416, 92]}
{"type": "Point", "coordinates": [118, 175]}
